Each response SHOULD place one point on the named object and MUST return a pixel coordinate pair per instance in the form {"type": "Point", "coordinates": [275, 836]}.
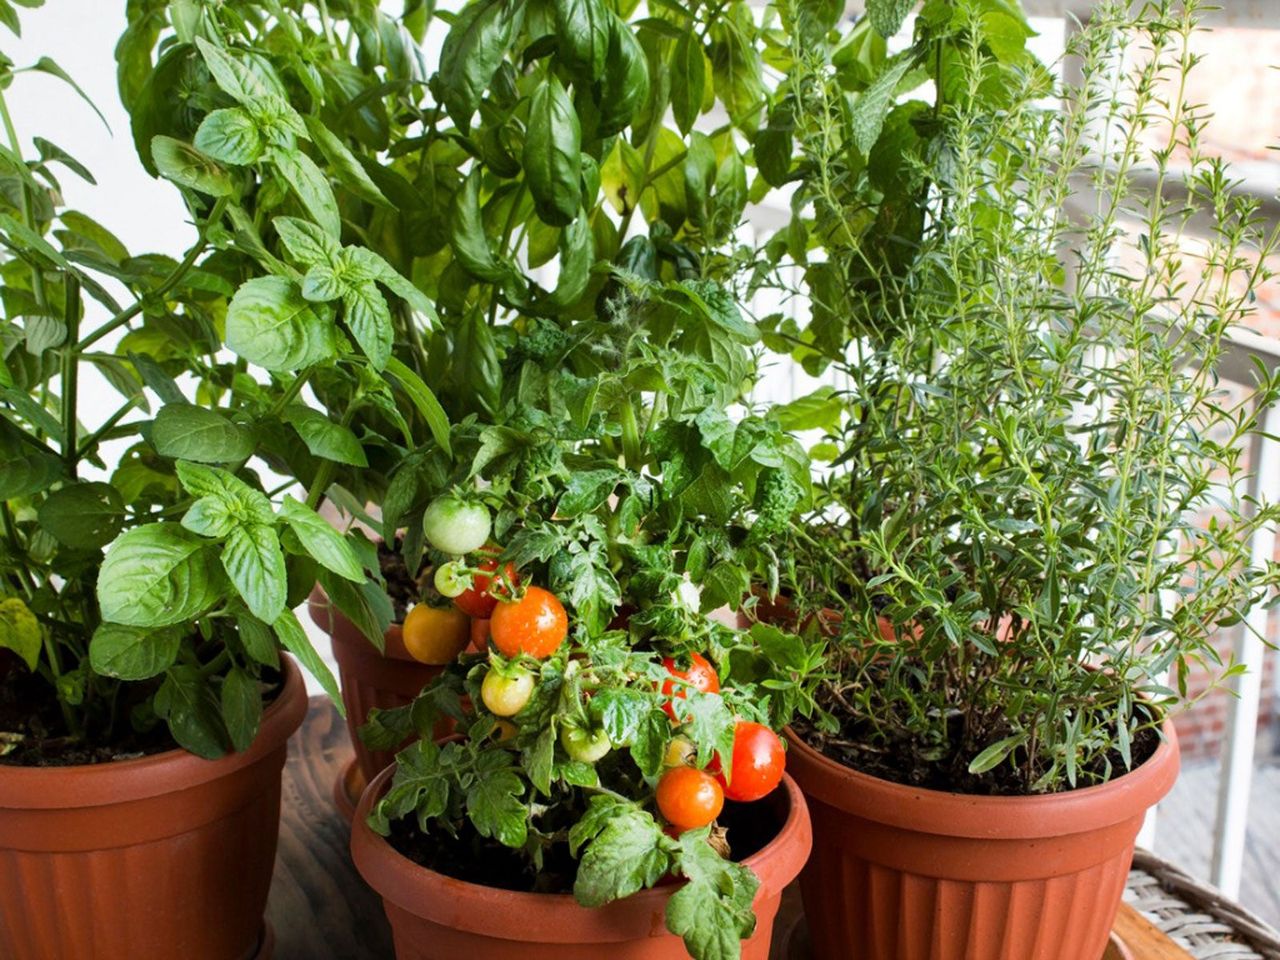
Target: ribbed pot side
{"type": "Point", "coordinates": [368, 678]}
{"type": "Point", "coordinates": [434, 917]}
{"type": "Point", "coordinates": [900, 873]}
{"type": "Point", "coordinates": [164, 856]}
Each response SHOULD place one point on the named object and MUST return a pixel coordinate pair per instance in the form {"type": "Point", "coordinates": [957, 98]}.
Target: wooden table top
{"type": "Point", "coordinates": [320, 909]}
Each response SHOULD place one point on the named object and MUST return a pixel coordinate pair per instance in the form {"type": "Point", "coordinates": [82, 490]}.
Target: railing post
{"type": "Point", "coordinates": [1242, 709]}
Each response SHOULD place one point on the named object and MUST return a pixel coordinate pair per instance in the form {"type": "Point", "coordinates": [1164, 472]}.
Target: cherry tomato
{"type": "Point", "coordinates": [534, 625]}
{"type": "Point", "coordinates": [435, 635]}
{"type": "Point", "coordinates": [758, 762]}
{"type": "Point", "coordinates": [689, 798]}
{"type": "Point", "coordinates": [586, 746]}
{"type": "Point", "coordinates": [505, 696]}
{"type": "Point", "coordinates": [700, 675]}
{"type": "Point", "coordinates": [680, 752]}
{"type": "Point", "coordinates": [479, 635]}
{"type": "Point", "coordinates": [456, 526]}
{"type": "Point", "coordinates": [504, 731]}
{"type": "Point", "coordinates": [450, 579]}
{"type": "Point", "coordinates": [476, 601]}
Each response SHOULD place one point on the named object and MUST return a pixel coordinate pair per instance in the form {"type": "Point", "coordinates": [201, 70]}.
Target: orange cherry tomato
{"type": "Point", "coordinates": [534, 625]}
{"type": "Point", "coordinates": [477, 601]}
{"type": "Point", "coordinates": [689, 798]}
{"type": "Point", "coordinates": [700, 675]}
{"type": "Point", "coordinates": [758, 762]}
{"type": "Point", "coordinates": [435, 635]}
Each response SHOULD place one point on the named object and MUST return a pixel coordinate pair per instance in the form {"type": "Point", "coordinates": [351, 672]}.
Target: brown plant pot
{"type": "Point", "coordinates": [164, 856]}
{"type": "Point", "coordinates": [369, 679]}
{"type": "Point", "coordinates": [902, 873]}
{"type": "Point", "coordinates": [434, 917]}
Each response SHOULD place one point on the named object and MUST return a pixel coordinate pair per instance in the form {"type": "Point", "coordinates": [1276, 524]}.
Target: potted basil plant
{"type": "Point", "coordinates": [147, 580]}
{"type": "Point", "coordinates": [1037, 523]}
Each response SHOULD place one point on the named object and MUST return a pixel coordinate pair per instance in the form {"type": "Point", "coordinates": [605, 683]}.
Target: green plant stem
{"type": "Point", "coordinates": [174, 278]}
{"type": "Point", "coordinates": [15, 548]}
{"type": "Point", "coordinates": [70, 376]}
{"type": "Point", "coordinates": [37, 278]}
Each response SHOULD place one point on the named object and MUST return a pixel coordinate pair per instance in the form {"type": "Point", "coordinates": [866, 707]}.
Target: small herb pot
{"type": "Point", "coordinates": [435, 917]}
{"type": "Point", "coordinates": [903, 873]}
{"type": "Point", "coordinates": [368, 679]}
{"type": "Point", "coordinates": [163, 856]}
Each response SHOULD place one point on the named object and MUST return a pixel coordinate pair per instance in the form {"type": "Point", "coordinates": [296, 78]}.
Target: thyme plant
{"type": "Point", "coordinates": [1037, 522]}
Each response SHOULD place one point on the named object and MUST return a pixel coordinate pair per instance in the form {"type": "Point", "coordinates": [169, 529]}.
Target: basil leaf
{"type": "Point", "coordinates": [472, 50]}
{"type": "Point", "coordinates": [270, 324]}
{"type": "Point", "coordinates": [325, 545]}
{"type": "Point", "coordinates": [183, 431]}
{"type": "Point", "coordinates": [254, 561]}
{"type": "Point", "coordinates": [369, 319]}
{"type": "Point", "coordinates": [188, 167]}
{"type": "Point", "coordinates": [344, 164]}
{"type": "Point", "coordinates": [86, 516]}
{"type": "Point", "coordinates": [625, 86]}
{"type": "Point", "coordinates": [468, 236]}
{"type": "Point", "coordinates": [311, 186]}
{"type": "Point", "coordinates": [294, 639]}
{"type": "Point", "coordinates": [577, 254]}
{"type": "Point", "coordinates": [425, 401]}
{"type": "Point", "coordinates": [128, 653]}
{"type": "Point", "coordinates": [306, 242]}
{"type": "Point", "coordinates": [25, 467]}
{"type": "Point", "coordinates": [582, 35]}
{"type": "Point", "coordinates": [688, 80]}
{"type": "Point", "coordinates": [323, 437]}
{"type": "Point", "coordinates": [230, 136]}
{"type": "Point", "coordinates": [187, 702]}
{"type": "Point", "coordinates": [158, 575]}
{"type": "Point", "coordinates": [552, 148]}
{"type": "Point", "coordinates": [256, 638]}
{"type": "Point", "coordinates": [241, 707]}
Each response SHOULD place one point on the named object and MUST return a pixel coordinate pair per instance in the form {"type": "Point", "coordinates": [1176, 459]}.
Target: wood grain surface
{"type": "Point", "coordinates": [320, 909]}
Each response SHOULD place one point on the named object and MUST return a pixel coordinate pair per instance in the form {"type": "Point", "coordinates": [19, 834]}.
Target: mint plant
{"type": "Point", "coordinates": [1037, 519]}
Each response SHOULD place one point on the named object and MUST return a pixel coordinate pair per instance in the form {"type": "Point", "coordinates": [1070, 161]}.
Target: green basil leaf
{"type": "Point", "coordinates": [582, 35]}
{"type": "Point", "coordinates": [311, 187]}
{"type": "Point", "coordinates": [369, 319]}
{"type": "Point", "coordinates": [242, 82]}
{"type": "Point", "coordinates": [294, 639]}
{"type": "Point", "coordinates": [183, 431]}
{"type": "Point", "coordinates": [270, 324]}
{"type": "Point", "coordinates": [472, 50]}
{"type": "Point", "coordinates": [344, 164]}
{"type": "Point", "coordinates": [688, 80]}
{"type": "Point", "coordinates": [230, 136]}
{"type": "Point", "coordinates": [326, 545]}
{"type": "Point", "coordinates": [468, 236]}
{"type": "Point", "coordinates": [552, 154]}
{"type": "Point", "coordinates": [425, 401]}
{"type": "Point", "coordinates": [157, 575]}
{"type": "Point", "coordinates": [240, 499]}
{"type": "Point", "coordinates": [365, 604]}
{"type": "Point", "coordinates": [323, 283]}
{"type": "Point", "coordinates": [306, 242]}
{"type": "Point", "coordinates": [86, 516]}
{"type": "Point", "coordinates": [188, 704]}
{"type": "Point", "coordinates": [323, 437]}
{"type": "Point", "coordinates": [254, 562]}
{"type": "Point", "coordinates": [20, 631]}
{"type": "Point", "coordinates": [577, 255]}
{"type": "Point", "coordinates": [129, 653]}
{"type": "Point", "coordinates": [257, 639]}
{"type": "Point", "coordinates": [241, 707]}
{"type": "Point", "coordinates": [188, 167]}
{"type": "Point", "coordinates": [625, 86]}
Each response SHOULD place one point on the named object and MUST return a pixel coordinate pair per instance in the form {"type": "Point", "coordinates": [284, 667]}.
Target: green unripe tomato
{"type": "Point", "coordinates": [585, 746]}
{"type": "Point", "coordinates": [456, 526]}
{"type": "Point", "coordinates": [505, 696]}
{"type": "Point", "coordinates": [450, 580]}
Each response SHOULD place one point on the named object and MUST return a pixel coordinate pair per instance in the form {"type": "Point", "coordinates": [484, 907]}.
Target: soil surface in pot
{"type": "Point", "coordinates": [859, 746]}
{"type": "Point", "coordinates": [402, 587]}
{"type": "Point", "coordinates": [475, 859]}
{"type": "Point", "coordinates": [28, 711]}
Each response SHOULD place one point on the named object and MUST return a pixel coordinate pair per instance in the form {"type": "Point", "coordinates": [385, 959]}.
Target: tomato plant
{"type": "Point", "coordinates": [505, 692]}
{"type": "Point", "coordinates": [455, 526]}
{"type": "Point", "coordinates": [478, 599]}
{"type": "Point", "coordinates": [700, 675]}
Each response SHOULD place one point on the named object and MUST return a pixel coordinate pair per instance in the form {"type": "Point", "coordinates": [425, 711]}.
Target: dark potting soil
{"type": "Point", "coordinates": [28, 710]}
{"type": "Point", "coordinates": [905, 762]}
{"type": "Point", "coordinates": [476, 859]}
{"type": "Point", "coordinates": [402, 587]}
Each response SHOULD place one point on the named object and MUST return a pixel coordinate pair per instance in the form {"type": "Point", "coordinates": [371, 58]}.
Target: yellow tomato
{"type": "Point", "coordinates": [436, 635]}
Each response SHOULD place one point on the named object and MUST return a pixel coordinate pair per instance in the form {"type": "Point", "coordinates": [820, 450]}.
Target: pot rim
{"type": "Point", "coordinates": [475, 908]}
{"type": "Point", "coordinates": [123, 781]}
{"type": "Point", "coordinates": [987, 817]}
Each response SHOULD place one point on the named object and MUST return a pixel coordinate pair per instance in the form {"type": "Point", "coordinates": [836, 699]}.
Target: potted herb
{"type": "Point", "coordinates": [1039, 484]}
{"type": "Point", "coordinates": [145, 701]}
{"type": "Point", "coordinates": [610, 506]}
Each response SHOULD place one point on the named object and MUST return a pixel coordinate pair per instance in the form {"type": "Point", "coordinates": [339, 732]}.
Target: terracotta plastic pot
{"type": "Point", "coordinates": [369, 679]}
{"type": "Point", "coordinates": [434, 917]}
{"type": "Point", "coordinates": [164, 856]}
{"type": "Point", "coordinates": [902, 873]}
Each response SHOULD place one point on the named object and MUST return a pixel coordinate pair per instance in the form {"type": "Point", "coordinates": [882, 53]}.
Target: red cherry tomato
{"type": "Point", "coordinates": [534, 625]}
{"type": "Point", "coordinates": [758, 762]}
{"type": "Point", "coordinates": [700, 675]}
{"type": "Point", "coordinates": [689, 798]}
{"type": "Point", "coordinates": [477, 602]}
